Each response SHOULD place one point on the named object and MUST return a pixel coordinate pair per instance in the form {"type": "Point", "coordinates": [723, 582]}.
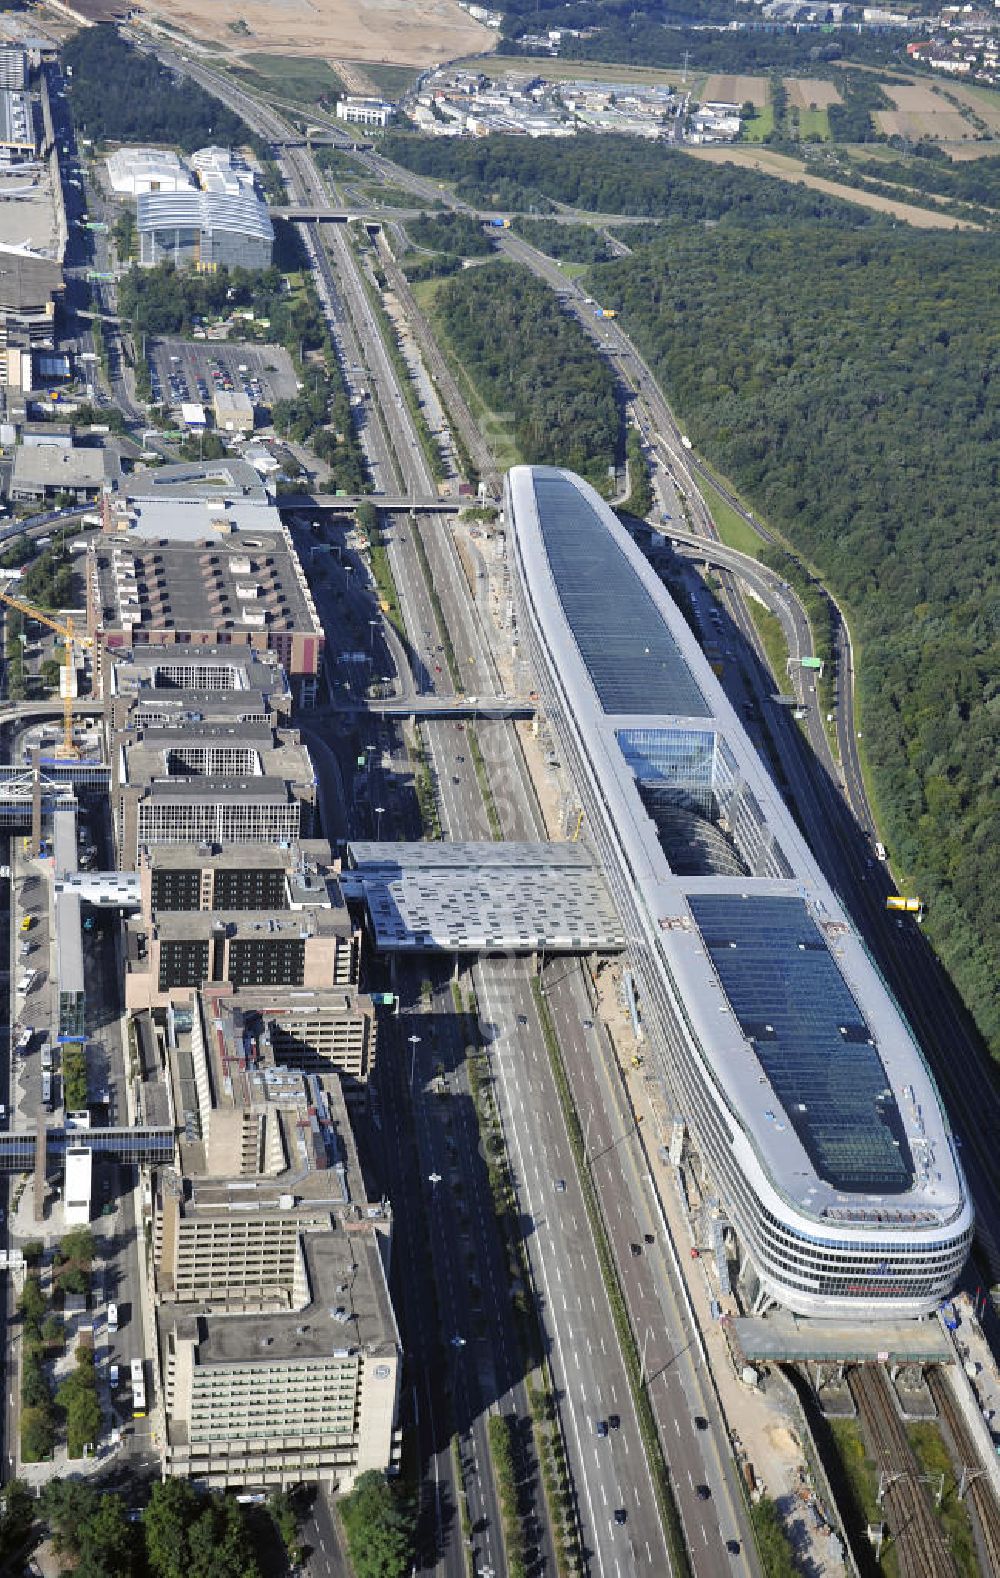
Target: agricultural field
{"type": "Point", "coordinates": [921, 113]}
{"type": "Point", "coordinates": [790, 169]}
{"type": "Point", "coordinates": [983, 103]}
{"type": "Point", "coordinates": [810, 93]}
{"type": "Point", "coordinates": [727, 88]}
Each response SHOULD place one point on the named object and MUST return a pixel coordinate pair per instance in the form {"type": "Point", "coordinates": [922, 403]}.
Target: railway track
{"type": "Point", "coordinates": [980, 1496]}
{"type": "Point", "coordinates": [920, 1542]}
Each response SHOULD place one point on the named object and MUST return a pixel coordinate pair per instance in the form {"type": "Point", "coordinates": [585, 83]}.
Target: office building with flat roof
{"type": "Point", "coordinates": [277, 1339]}
{"type": "Point", "coordinates": [152, 687]}
{"type": "Point", "coordinates": [13, 67]}
{"type": "Point", "coordinates": [268, 1401]}
{"type": "Point", "coordinates": [209, 784]}
{"type": "Point", "coordinates": [791, 1076]}
{"type": "Point", "coordinates": [18, 143]}
{"type": "Point", "coordinates": [241, 590]}
{"type": "Point", "coordinates": [314, 947]}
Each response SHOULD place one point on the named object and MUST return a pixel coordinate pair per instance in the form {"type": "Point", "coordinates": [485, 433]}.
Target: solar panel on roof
{"type": "Point", "coordinates": [633, 661]}
{"type": "Point", "coordinates": [810, 1036]}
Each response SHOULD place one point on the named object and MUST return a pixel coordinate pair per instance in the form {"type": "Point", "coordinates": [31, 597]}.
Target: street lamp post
{"type": "Point", "coordinates": [373, 626]}
{"type": "Point", "coordinates": [378, 823]}
{"type": "Point", "coordinates": [414, 1043]}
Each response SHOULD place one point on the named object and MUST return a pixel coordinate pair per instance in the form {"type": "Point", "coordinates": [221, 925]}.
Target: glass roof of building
{"type": "Point", "coordinates": [812, 1041]}
{"type": "Point", "coordinates": [632, 659]}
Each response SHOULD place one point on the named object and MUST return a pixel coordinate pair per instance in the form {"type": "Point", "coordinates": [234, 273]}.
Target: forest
{"type": "Point", "coordinates": [146, 104]}
{"type": "Point", "coordinates": [849, 385]}
{"type": "Point", "coordinates": [456, 234]}
{"type": "Point", "coordinates": [575, 243]}
{"type": "Point", "coordinates": [531, 365]}
{"type": "Point", "coordinates": [622, 175]}
{"type": "Point", "coordinates": [930, 170]}
{"type": "Point", "coordinates": [646, 42]}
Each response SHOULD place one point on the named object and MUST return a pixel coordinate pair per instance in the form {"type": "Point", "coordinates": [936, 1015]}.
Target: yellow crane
{"type": "Point", "coordinates": [63, 628]}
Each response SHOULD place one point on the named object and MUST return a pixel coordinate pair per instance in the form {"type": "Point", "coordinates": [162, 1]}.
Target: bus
{"type": "Point", "coordinates": [138, 1389]}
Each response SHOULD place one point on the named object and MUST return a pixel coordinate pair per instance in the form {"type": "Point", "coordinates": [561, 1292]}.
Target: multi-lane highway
{"type": "Point", "coordinates": [610, 1471]}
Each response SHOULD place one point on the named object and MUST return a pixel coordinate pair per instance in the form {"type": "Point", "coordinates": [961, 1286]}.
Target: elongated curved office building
{"type": "Point", "coordinates": [802, 1091]}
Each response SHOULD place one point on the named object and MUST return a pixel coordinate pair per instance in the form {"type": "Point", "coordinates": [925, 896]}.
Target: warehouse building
{"type": "Point", "coordinates": [46, 470]}
{"type": "Point", "coordinates": [134, 172]}
{"type": "Point", "coordinates": [233, 411]}
{"type": "Point", "coordinates": [243, 589]}
{"type": "Point", "coordinates": [204, 230]}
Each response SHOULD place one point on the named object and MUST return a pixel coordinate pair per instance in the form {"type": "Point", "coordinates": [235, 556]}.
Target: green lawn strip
{"type": "Point", "coordinates": [424, 293]}
{"type": "Point", "coordinates": [760, 127]}
{"type": "Point", "coordinates": [498, 1432]}
{"type": "Point", "coordinates": [769, 629]}
{"type": "Point", "coordinates": [814, 123]}
{"type": "Point", "coordinates": [391, 80]}
{"type": "Point", "coordinates": [733, 529]}
{"type": "Point", "coordinates": [424, 788]}
{"type": "Point", "coordinates": [676, 1547]}
{"type": "Point", "coordinates": [475, 751]}
{"type": "Point", "coordinates": [382, 573]}
{"type": "Point", "coordinates": [934, 1459]}
{"type": "Point", "coordinates": [299, 78]}
{"type": "Point", "coordinates": [463, 1505]}
{"type": "Point", "coordinates": [454, 668]}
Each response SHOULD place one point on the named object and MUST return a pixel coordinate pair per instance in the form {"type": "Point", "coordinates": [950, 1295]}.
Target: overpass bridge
{"type": "Point", "coordinates": [488, 709]}
{"type": "Point", "coordinates": [428, 504]}
{"type": "Point", "coordinates": [314, 213]}
{"type": "Point", "coordinates": [19, 1152]}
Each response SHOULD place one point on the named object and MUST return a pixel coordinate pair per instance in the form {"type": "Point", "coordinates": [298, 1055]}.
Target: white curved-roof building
{"type": "Point", "coordinates": [134, 171]}
{"type": "Point", "coordinates": [779, 1045]}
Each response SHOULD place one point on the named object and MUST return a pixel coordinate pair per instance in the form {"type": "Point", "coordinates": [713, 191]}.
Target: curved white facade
{"type": "Point", "coordinates": [777, 1040]}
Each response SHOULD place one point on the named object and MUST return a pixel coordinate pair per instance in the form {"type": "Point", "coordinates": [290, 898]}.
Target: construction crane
{"type": "Point", "coordinates": [63, 628]}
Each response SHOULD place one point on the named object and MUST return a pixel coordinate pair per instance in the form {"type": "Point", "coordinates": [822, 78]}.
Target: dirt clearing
{"type": "Point", "coordinates": [407, 32]}
{"type": "Point", "coordinates": [807, 93]}
{"type": "Point", "coordinates": [790, 170]}
{"type": "Point", "coordinates": [725, 89]}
